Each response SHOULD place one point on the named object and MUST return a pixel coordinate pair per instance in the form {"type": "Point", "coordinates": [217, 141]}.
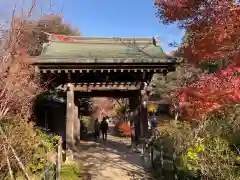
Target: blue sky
{"type": "Point", "coordinates": [109, 18]}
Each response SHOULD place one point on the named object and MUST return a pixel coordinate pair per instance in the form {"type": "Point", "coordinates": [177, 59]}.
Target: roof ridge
{"type": "Point", "coordinates": [55, 36]}
{"type": "Point", "coordinates": [104, 41]}
{"type": "Point", "coordinates": [104, 37]}
{"type": "Point", "coordinates": [100, 42]}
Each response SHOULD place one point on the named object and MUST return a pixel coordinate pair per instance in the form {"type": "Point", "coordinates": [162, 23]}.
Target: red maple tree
{"type": "Point", "coordinates": [210, 92]}
{"type": "Point", "coordinates": [213, 35]}
{"type": "Point", "coordinates": [213, 27]}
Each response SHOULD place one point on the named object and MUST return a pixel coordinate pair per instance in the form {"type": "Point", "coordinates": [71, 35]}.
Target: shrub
{"type": "Point", "coordinates": [29, 143]}
{"type": "Point", "coordinates": [124, 129]}
{"type": "Point", "coordinates": [71, 171]}
{"type": "Point", "coordinates": [208, 150]}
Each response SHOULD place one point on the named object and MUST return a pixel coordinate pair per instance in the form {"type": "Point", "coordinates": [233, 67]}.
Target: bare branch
{"type": "Point", "coordinates": [133, 44]}
{"type": "Point", "coordinates": [8, 162]}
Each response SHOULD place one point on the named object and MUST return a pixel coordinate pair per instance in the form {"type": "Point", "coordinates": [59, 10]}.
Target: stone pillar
{"type": "Point", "coordinates": [70, 118]}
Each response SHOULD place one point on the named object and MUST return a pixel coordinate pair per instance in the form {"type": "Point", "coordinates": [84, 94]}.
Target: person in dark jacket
{"type": "Point", "coordinates": [83, 129]}
{"type": "Point", "coordinates": [104, 128]}
{"type": "Point", "coordinates": [96, 129]}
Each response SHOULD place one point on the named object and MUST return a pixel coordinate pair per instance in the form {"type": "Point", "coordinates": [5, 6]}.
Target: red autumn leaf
{"type": "Point", "coordinates": [66, 39]}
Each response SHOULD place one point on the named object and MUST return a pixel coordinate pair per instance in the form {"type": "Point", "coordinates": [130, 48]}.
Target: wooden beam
{"type": "Point", "coordinates": [104, 61]}
{"type": "Point", "coordinates": [55, 71]}
{"type": "Point", "coordinates": [88, 87]}
{"type": "Point", "coordinates": [106, 93]}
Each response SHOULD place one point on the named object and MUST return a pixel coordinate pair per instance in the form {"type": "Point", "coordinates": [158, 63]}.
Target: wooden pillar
{"type": "Point", "coordinates": [144, 121]}
{"type": "Point", "coordinates": [134, 105]}
{"type": "Point", "coordinates": [76, 125]}
{"type": "Point", "coordinates": [144, 115]}
{"type": "Point", "coordinates": [70, 118]}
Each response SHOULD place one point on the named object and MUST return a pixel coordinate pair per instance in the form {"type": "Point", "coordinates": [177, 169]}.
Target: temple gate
{"type": "Point", "coordinates": [102, 67]}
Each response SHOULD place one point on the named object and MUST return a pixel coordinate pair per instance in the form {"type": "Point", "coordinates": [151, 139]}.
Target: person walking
{"type": "Point", "coordinates": [83, 130]}
{"type": "Point", "coordinates": [153, 124]}
{"type": "Point", "coordinates": [104, 128]}
{"type": "Point", "coordinates": [96, 129]}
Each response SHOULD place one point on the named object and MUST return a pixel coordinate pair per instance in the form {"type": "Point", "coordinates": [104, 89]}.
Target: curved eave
{"type": "Point", "coordinates": [41, 60]}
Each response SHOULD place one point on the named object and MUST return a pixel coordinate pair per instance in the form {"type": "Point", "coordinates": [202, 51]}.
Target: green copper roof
{"type": "Point", "coordinates": [101, 48]}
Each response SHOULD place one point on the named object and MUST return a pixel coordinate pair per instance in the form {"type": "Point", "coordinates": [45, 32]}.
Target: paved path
{"type": "Point", "coordinates": [111, 160]}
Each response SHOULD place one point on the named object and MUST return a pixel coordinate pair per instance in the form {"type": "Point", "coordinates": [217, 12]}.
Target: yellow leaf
{"type": "Point", "coordinates": [152, 108]}
{"type": "Point", "coordinates": [238, 158]}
